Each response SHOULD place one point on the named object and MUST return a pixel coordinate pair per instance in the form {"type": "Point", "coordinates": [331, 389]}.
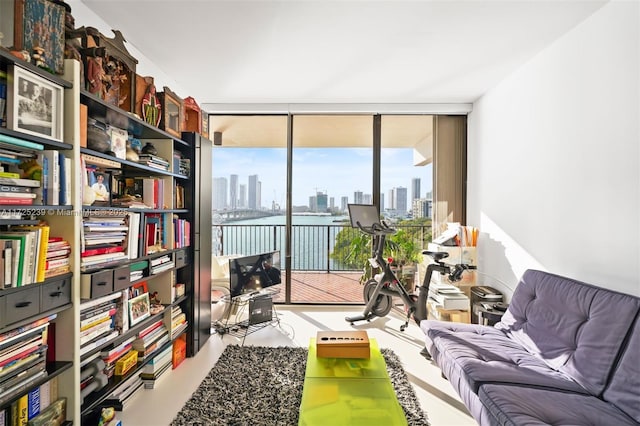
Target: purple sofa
{"type": "Point", "coordinates": [564, 353]}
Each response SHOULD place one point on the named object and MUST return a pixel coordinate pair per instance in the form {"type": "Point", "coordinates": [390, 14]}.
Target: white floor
{"type": "Point", "coordinates": [297, 325]}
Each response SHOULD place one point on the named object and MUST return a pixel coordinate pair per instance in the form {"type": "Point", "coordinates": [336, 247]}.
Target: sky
{"type": "Point", "coordinates": [336, 171]}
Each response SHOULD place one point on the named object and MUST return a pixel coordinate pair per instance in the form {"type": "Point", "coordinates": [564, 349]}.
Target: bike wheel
{"type": "Point", "coordinates": [383, 303]}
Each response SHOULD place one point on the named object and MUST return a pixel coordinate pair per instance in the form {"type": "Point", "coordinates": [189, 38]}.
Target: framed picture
{"type": "Point", "coordinates": [139, 289]}
{"type": "Point", "coordinates": [34, 104]}
{"type": "Point", "coordinates": [172, 113]}
{"type": "Point", "coordinates": [138, 308]}
{"type": "Point", "coordinates": [99, 182]}
{"type": "Point", "coordinates": [39, 24]}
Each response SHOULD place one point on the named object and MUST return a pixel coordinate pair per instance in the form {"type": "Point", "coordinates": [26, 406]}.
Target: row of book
{"type": "Point", "coordinates": [23, 357]}
{"type": "Point", "coordinates": [40, 407]}
{"type": "Point", "coordinates": [43, 178]}
{"type": "Point", "coordinates": [29, 255]}
{"type": "Point", "coordinates": [182, 232]}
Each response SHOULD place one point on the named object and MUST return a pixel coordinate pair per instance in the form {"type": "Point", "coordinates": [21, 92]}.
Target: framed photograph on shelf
{"type": "Point", "coordinates": [99, 182]}
{"type": "Point", "coordinates": [138, 308]}
{"type": "Point", "coordinates": [172, 114]}
{"type": "Point", "coordinates": [34, 104]}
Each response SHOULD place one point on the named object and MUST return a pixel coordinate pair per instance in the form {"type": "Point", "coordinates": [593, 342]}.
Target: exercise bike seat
{"type": "Point", "coordinates": [436, 255]}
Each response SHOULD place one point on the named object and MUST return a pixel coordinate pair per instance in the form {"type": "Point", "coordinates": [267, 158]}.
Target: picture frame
{"type": "Point", "coordinates": [139, 308]}
{"type": "Point", "coordinates": [172, 110]}
{"type": "Point", "coordinates": [139, 289]}
{"type": "Point", "coordinates": [99, 181]}
{"type": "Point", "coordinates": [34, 104]}
{"type": "Point", "coordinates": [40, 24]}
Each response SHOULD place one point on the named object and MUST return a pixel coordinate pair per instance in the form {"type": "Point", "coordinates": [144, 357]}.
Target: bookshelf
{"type": "Point", "coordinates": [35, 309]}
{"type": "Point", "coordinates": [152, 247]}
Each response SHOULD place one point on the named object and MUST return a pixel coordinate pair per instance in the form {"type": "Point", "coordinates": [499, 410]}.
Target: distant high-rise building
{"type": "Point", "coordinates": [259, 196]}
{"type": "Point", "coordinates": [367, 199]}
{"type": "Point", "coordinates": [421, 208]}
{"type": "Point", "coordinates": [313, 203]}
{"type": "Point", "coordinates": [401, 200]}
{"type": "Point", "coordinates": [252, 199]}
{"type": "Point", "coordinates": [415, 189]}
{"type": "Point", "coordinates": [233, 192]}
{"type": "Point", "coordinates": [358, 197]}
{"type": "Point", "coordinates": [219, 200]}
{"type": "Point", "coordinates": [242, 196]}
{"type": "Point", "coordinates": [381, 202]}
{"type": "Point", "coordinates": [321, 203]}
{"type": "Point", "coordinates": [344, 204]}
{"type": "Point", "coordinates": [392, 199]}
{"type": "Point", "coordinates": [332, 203]}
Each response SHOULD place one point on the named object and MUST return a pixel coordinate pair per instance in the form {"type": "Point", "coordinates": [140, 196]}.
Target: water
{"type": "Point", "coordinates": [313, 239]}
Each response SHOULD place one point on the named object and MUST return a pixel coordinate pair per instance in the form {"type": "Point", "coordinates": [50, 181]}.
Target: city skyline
{"type": "Point", "coordinates": [335, 172]}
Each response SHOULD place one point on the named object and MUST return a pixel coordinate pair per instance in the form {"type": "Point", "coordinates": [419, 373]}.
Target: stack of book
{"type": "Point", "coordinates": [178, 321]}
{"type": "Point", "coordinates": [103, 239]}
{"type": "Point", "coordinates": [97, 321]}
{"type": "Point", "coordinates": [161, 264]}
{"type": "Point", "coordinates": [15, 191]}
{"type": "Point", "coordinates": [156, 368]}
{"type": "Point", "coordinates": [155, 233]}
{"type": "Point", "coordinates": [153, 161]}
{"type": "Point", "coordinates": [448, 296]}
{"type": "Point", "coordinates": [137, 270]}
{"type": "Point", "coordinates": [58, 257]}
{"type": "Point", "coordinates": [153, 193]}
{"type": "Point", "coordinates": [125, 392]}
{"type": "Point", "coordinates": [111, 356]}
{"type": "Point", "coordinates": [150, 339]}
{"type": "Point", "coordinates": [132, 244]}
{"type": "Point", "coordinates": [23, 355]}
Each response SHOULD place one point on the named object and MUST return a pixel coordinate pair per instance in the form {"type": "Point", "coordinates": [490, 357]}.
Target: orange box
{"type": "Point", "coordinates": [179, 351]}
{"type": "Point", "coordinates": [342, 344]}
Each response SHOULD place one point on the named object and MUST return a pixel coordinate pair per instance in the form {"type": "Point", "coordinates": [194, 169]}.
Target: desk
{"type": "Point", "coordinates": [349, 392]}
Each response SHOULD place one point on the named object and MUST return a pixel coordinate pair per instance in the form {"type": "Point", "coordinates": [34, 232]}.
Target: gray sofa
{"type": "Point", "coordinates": [564, 353]}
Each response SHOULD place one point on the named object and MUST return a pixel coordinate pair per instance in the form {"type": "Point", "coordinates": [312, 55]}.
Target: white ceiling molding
{"type": "Point", "coordinates": [337, 108]}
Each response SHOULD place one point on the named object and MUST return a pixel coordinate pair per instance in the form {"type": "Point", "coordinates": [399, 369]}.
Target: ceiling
{"type": "Point", "coordinates": [384, 52]}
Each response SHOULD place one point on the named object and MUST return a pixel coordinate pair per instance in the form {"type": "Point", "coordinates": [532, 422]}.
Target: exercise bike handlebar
{"type": "Point", "coordinates": [376, 229]}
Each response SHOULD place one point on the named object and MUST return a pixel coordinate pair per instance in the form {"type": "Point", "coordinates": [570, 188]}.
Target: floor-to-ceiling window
{"type": "Point", "coordinates": [331, 167]}
{"type": "Point", "coordinates": [267, 197]}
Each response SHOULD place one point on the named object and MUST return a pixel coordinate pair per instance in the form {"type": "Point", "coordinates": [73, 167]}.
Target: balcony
{"type": "Point", "coordinates": [317, 275]}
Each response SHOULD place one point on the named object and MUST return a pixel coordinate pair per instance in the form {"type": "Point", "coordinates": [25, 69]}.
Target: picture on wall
{"type": "Point", "coordinates": [35, 104]}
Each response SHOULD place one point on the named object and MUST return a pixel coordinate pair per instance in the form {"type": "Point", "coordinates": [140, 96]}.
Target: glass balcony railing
{"type": "Point", "coordinates": [312, 245]}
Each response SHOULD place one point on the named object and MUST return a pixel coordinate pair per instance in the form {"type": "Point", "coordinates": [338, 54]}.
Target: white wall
{"type": "Point", "coordinates": [85, 17]}
{"type": "Point", "coordinates": [554, 181]}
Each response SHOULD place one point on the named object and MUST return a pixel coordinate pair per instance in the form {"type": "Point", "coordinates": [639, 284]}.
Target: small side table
{"type": "Point", "coordinates": [486, 316]}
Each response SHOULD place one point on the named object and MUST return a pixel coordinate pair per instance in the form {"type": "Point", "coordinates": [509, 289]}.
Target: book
{"type": "Point", "coordinates": [33, 403]}
{"type": "Point", "coordinates": [10, 175]}
{"type": "Point", "coordinates": [31, 183]}
{"type": "Point", "coordinates": [21, 411]}
{"type": "Point", "coordinates": [11, 142]}
{"type": "Point", "coordinates": [53, 177]}
{"type": "Point", "coordinates": [15, 189]}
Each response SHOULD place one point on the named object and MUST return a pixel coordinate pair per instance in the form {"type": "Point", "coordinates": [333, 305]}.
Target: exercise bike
{"type": "Point", "coordinates": [379, 291]}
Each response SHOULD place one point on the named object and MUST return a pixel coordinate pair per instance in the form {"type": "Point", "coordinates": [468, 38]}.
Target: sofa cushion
{"type": "Point", "coordinates": [520, 405]}
{"type": "Point", "coordinates": [480, 354]}
{"type": "Point", "coordinates": [624, 388]}
{"type": "Point", "coordinates": [574, 327]}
